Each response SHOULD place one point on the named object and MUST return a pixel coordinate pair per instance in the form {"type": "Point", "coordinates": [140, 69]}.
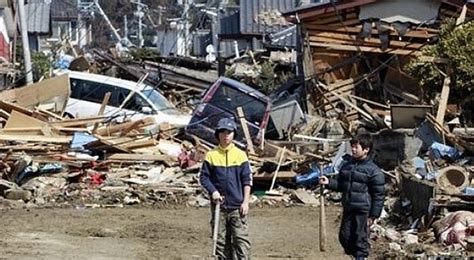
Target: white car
{"type": "Point", "coordinates": [88, 91]}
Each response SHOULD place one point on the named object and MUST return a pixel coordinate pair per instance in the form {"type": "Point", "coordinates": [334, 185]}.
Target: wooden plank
{"type": "Point", "coordinates": [243, 123]}
{"type": "Point", "coordinates": [105, 101]}
{"type": "Point", "coordinates": [342, 47]}
{"type": "Point", "coordinates": [357, 29]}
{"type": "Point", "coordinates": [140, 157]}
{"type": "Point", "coordinates": [57, 88]}
{"type": "Point", "coordinates": [343, 13]}
{"type": "Point", "coordinates": [410, 98]}
{"type": "Point", "coordinates": [20, 120]}
{"type": "Point", "coordinates": [125, 127]}
{"type": "Point", "coordinates": [282, 176]}
{"type": "Point", "coordinates": [135, 144]}
{"type": "Point", "coordinates": [347, 38]}
{"type": "Point", "coordinates": [305, 197]}
{"type": "Point", "coordinates": [105, 145]}
{"type": "Point", "coordinates": [9, 107]}
{"type": "Point", "coordinates": [282, 154]}
{"type": "Point", "coordinates": [4, 114]}
{"type": "Point", "coordinates": [37, 129]}
{"type": "Point", "coordinates": [35, 138]}
{"type": "Point", "coordinates": [370, 102]}
{"type": "Point", "coordinates": [443, 101]}
{"type": "Point", "coordinates": [334, 19]}
{"type": "Point", "coordinates": [346, 101]}
{"type": "Point", "coordinates": [79, 121]}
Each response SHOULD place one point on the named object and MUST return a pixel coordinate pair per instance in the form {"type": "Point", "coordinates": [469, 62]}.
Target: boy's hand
{"type": "Point", "coordinates": [370, 222]}
{"type": "Point", "coordinates": [244, 209]}
{"type": "Point", "coordinates": [216, 197]}
{"type": "Point", "coordinates": [323, 180]}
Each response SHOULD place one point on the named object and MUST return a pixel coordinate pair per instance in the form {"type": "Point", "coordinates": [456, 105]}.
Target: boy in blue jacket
{"type": "Point", "coordinates": [226, 175]}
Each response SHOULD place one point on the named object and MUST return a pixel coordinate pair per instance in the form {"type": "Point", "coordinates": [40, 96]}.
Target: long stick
{"type": "Point", "coordinates": [278, 168]}
{"type": "Point", "coordinates": [217, 211]}
{"type": "Point", "coordinates": [322, 221]}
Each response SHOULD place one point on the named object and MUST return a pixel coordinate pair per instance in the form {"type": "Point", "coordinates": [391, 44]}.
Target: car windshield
{"type": "Point", "coordinates": [160, 102]}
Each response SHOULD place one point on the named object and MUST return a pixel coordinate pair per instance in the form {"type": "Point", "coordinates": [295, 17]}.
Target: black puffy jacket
{"type": "Point", "coordinates": [362, 186]}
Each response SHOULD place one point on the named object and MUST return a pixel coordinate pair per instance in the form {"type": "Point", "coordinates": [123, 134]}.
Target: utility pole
{"type": "Point", "coordinates": [140, 23]}
{"type": "Point", "coordinates": [186, 27]}
{"type": "Point", "coordinates": [125, 27]}
{"type": "Point", "coordinates": [24, 38]}
{"type": "Point", "coordinates": [160, 11]}
{"type": "Point", "coordinates": [102, 13]}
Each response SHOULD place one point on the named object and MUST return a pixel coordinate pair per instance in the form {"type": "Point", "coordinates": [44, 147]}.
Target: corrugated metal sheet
{"type": "Point", "coordinates": [229, 21]}
{"type": "Point", "coordinates": [37, 15]}
{"type": "Point", "coordinates": [285, 37]}
{"type": "Point", "coordinates": [264, 16]}
{"type": "Point", "coordinates": [64, 10]}
{"type": "Point", "coordinates": [167, 42]}
{"type": "Point", "coordinates": [200, 41]}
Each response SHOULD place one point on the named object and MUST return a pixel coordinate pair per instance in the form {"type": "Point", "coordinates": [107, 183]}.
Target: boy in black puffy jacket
{"type": "Point", "coordinates": [362, 185]}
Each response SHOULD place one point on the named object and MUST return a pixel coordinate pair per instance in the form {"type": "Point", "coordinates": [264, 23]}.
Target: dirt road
{"type": "Point", "coordinates": [129, 233]}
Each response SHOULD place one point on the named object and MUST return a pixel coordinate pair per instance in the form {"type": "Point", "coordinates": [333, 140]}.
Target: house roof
{"type": "Point", "coordinates": [64, 10]}
{"type": "Point", "coordinates": [37, 17]}
{"type": "Point", "coordinates": [264, 16]}
{"type": "Point", "coordinates": [257, 18]}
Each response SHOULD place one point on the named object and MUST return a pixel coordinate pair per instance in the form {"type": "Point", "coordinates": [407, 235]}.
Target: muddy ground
{"type": "Point", "coordinates": [138, 233]}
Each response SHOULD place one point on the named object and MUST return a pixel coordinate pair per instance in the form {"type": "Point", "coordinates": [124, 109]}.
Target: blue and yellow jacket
{"type": "Point", "coordinates": [227, 171]}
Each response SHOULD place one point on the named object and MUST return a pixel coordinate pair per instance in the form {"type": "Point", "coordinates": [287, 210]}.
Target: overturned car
{"type": "Point", "coordinates": [265, 117]}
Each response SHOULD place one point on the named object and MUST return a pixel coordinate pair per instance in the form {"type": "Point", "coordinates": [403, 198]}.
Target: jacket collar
{"type": "Point", "coordinates": [367, 158]}
{"type": "Point", "coordinates": [230, 146]}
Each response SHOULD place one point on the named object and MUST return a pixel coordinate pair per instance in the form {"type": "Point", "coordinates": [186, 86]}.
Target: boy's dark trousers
{"type": "Point", "coordinates": [353, 234]}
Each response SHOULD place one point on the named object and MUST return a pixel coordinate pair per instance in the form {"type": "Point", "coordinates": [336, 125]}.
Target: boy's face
{"type": "Point", "coordinates": [358, 152]}
{"type": "Point", "coordinates": [225, 137]}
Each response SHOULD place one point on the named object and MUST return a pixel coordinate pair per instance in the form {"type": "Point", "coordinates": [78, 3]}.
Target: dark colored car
{"type": "Point", "coordinates": [222, 100]}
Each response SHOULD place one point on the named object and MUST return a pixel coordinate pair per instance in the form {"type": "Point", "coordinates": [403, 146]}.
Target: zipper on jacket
{"type": "Point", "coordinates": [226, 173]}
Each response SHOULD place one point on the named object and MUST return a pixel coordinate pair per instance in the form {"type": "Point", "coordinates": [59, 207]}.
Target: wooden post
{"type": "Point", "coordinates": [443, 101]}
{"type": "Point", "coordinates": [322, 216]}
{"type": "Point", "coordinates": [105, 101]}
{"type": "Point", "coordinates": [270, 191]}
{"type": "Point", "coordinates": [322, 221]}
{"type": "Point", "coordinates": [243, 122]}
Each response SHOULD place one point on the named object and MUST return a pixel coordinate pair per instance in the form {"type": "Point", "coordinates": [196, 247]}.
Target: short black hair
{"type": "Point", "coordinates": [216, 133]}
{"type": "Point", "coordinates": [365, 141]}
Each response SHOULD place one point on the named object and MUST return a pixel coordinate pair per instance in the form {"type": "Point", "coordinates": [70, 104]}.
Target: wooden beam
{"type": "Point", "coordinates": [79, 121]}
{"type": "Point", "coordinates": [243, 123]}
{"type": "Point", "coordinates": [357, 29]}
{"type": "Point", "coordinates": [334, 18]}
{"type": "Point", "coordinates": [342, 47]}
{"type": "Point", "coordinates": [105, 101]}
{"type": "Point", "coordinates": [138, 157]}
{"type": "Point", "coordinates": [125, 127]}
{"type": "Point", "coordinates": [322, 36]}
{"type": "Point", "coordinates": [36, 138]}
{"type": "Point", "coordinates": [346, 101]}
{"type": "Point", "coordinates": [370, 101]}
{"type": "Point", "coordinates": [443, 101]}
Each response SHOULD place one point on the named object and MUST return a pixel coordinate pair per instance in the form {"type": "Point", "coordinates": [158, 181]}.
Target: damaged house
{"type": "Point", "coordinates": [361, 47]}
